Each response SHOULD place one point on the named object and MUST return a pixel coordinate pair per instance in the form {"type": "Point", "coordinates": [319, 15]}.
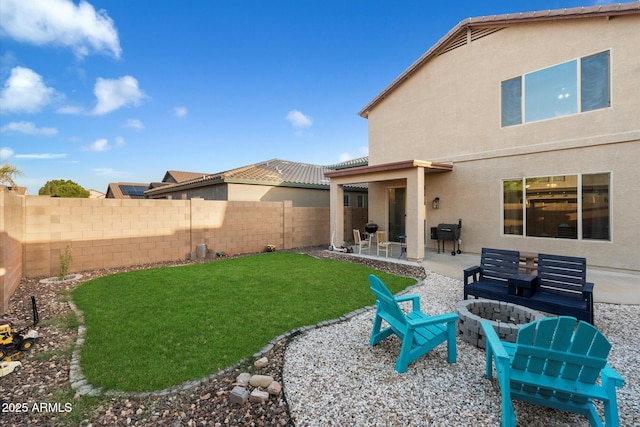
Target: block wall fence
{"type": "Point", "coordinates": [108, 233]}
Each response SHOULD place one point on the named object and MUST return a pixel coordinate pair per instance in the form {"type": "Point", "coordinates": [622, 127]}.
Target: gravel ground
{"type": "Point", "coordinates": [334, 378]}
{"type": "Point", "coordinates": [40, 393]}
{"type": "Point", "coordinates": [330, 375]}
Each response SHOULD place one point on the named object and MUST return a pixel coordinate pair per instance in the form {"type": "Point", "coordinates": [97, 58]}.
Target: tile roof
{"type": "Point", "coordinates": [487, 24]}
{"type": "Point", "coordinates": [181, 176]}
{"type": "Point", "coordinates": [271, 172]}
{"type": "Point", "coordinates": [360, 161]}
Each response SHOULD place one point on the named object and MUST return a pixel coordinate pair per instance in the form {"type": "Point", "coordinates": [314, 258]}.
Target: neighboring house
{"type": "Point", "coordinates": [174, 177]}
{"type": "Point", "coordinates": [135, 190]}
{"type": "Point", "coordinates": [126, 190]}
{"type": "Point", "coordinates": [95, 194]}
{"type": "Point", "coordinates": [18, 190]}
{"type": "Point", "coordinates": [273, 180]}
{"type": "Point", "coordinates": [524, 126]}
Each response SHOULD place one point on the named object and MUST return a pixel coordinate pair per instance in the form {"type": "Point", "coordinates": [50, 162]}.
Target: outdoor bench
{"type": "Point", "coordinates": [561, 287]}
{"type": "Point", "coordinates": [558, 287]}
{"type": "Point", "coordinates": [491, 278]}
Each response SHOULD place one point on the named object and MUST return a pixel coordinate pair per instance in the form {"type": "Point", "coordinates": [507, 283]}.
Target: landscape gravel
{"type": "Point", "coordinates": [334, 378]}
{"type": "Point", "coordinates": [330, 375]}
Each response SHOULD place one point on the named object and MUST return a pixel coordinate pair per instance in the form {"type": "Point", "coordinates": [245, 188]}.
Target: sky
{"type": "Point", "coordinates": [104, 91]}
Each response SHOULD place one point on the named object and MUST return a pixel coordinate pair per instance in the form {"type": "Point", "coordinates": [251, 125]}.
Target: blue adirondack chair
{"type": "Point", "coordinates": [419, 333]}
{"type": "Point", "coordinates": [555, 362]}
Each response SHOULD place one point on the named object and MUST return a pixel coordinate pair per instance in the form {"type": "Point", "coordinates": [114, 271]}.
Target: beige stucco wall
{"type": "Point", "coordinates": [308, 197]}
{"type": "Point", "coordinates": [449, 111]}
{"type": "Point", "coordinates": [472, 192]}
{"type": "Point", "coordinates": [451, 106]}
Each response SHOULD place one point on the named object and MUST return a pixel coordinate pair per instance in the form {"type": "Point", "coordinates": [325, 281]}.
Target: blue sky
{"type": "Point", "coordinates": [106, 91]}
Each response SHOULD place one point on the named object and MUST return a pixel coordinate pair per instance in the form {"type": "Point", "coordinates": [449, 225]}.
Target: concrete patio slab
{"type": "Point", "coordinates": [610, 286]}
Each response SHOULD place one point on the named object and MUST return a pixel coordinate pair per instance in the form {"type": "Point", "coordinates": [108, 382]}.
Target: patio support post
{"type": "Point", "coordinates": [336, 212]}
{"type": "Point", "coordinates": [415, 214]}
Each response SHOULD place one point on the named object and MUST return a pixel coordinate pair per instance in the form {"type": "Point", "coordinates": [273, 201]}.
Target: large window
{"type": "Point", "coordinates": [564, 206]}
{"type": "Point", "coordinates": [569, 88]}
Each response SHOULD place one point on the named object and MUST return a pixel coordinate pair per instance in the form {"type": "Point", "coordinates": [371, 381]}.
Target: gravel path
{"type": "Point", "coordinates": [330, 375]}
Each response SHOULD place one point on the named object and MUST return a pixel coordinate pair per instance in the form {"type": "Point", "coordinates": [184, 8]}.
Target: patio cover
{"type": "Point", "coordinates": [412, 172]}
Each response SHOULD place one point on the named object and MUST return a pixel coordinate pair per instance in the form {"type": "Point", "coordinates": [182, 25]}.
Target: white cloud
{"type": "Point", "coordinates": [28, 128]}
{"type": "Point", "coordinates": [298, 119]}
{"type": "Point", "coordinates": [42, 156]}
{"type": "Point", "coordinates": [116, 93]}
{"type": "Point", "coordinates": [119, 141]}
{"type": "Point", "coordinates": [180, 111]}
{"type": "Point", "coordinates": [363, 150]}
{"type": "Point", "coordinates": [113, 173]}
{"type": "Point", "coordinates": [69, 109]}
{"type": "Point", "coordinates": [344, 157]}
{"type": "Point", "coordinates": [99, 145]}
{"type": "Point", "coordinates": [5, 153]}
{"type": "Point", "coordinates": [60, 23]}
{"type": "Point", "coordinates": [24, 91]}
{"type": "Point", "coordinates": [134, 124]}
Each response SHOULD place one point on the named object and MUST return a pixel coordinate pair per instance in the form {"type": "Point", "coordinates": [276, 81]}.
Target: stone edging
{"type": "Point", "coordinates": [506, 318]}
{"type": "Point", "coordinates": [68, 278]}
{"type": "Point", "coordinates": [82, 387]}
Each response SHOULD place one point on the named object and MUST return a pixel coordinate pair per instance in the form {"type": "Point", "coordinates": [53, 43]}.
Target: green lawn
{"type": "Point", "coordinates": [151, 329]}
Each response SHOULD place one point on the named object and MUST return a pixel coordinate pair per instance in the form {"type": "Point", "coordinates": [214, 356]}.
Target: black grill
{"type": "Point", "coordinates": [447, 232]}
{"type": "Point", "coordinates": [371, 227]}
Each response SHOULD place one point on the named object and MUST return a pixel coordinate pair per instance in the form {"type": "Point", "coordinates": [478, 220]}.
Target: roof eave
{"type": "Point", "coordinates": [386, 167]}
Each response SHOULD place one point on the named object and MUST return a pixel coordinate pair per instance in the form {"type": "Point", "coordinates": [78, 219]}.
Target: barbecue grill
{"type": "Point", "coordinates": [444, 232]}
{"type": "Point", "coordinates": [371, 227]}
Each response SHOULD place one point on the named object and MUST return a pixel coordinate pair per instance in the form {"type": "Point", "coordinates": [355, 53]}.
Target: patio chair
{"type": "Point", "coordinates": [555, 362]}
{"type": "Point", "coordinates": [419, 332]}
{"type": "Point", "coordinates": [383, 243]}
{"type": "Point", "coordinates": [359, 242]}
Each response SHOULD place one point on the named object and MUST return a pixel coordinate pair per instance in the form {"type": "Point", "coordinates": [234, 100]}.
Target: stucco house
{"type": "Point", "coordinates": [524, 126]}
{"type": "Point", "coordinates": [272, 180]}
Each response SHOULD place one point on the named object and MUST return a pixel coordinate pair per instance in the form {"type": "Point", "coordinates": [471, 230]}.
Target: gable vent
{"type": "Point", "coordinates": [468, 37]}
{"type": "Point", "coordinates": [461, 40]}
{"type": "Point", "coordinates": [478, 33]}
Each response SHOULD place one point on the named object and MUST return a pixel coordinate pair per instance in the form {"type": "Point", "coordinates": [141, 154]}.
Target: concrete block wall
{"type": "Point", "coordinates": [109, 233]}
{"type": "Point", "coordinates": [239, 227]}
{"type": "Point", "coordinates": [11, 236]}
{"type": "Point", "coordinates": [105, 233]}
{"type": "Point", "coordinates": [354, 218]}
{"type": "Point", "coordinates": [309, 225]}
{"type": "Point", "coordinates": [102, 233]}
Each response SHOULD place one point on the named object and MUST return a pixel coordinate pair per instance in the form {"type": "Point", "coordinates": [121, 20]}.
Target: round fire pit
{"type": "Point", "coordinates": [505, 317]}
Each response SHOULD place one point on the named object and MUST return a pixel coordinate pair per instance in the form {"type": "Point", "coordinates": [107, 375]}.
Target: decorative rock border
{"type": "Point", "coordinates": [68, 278]}
{"type": "Point", "coordinates": [505, 317]}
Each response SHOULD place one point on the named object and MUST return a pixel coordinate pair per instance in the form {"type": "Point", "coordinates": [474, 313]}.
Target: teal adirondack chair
{"type": "Point", "coordinates": [419, 333]}
{"type": "Point", "coordinates": [555, 362]}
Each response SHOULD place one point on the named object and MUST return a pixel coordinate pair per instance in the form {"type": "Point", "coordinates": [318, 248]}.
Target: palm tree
{"type": "Point", "coordinates": [7, 172]}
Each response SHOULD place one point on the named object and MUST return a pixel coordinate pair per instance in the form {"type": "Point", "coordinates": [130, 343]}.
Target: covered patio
{"type": "Point", "coordinates": [410, 206]}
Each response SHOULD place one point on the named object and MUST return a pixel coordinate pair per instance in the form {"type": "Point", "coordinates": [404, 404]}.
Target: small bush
{"type": "Point", "coordinates": [66, 258]}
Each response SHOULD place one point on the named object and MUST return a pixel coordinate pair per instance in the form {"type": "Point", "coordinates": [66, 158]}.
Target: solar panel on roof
{"type": "Point", "coordinates": [133, 190]}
